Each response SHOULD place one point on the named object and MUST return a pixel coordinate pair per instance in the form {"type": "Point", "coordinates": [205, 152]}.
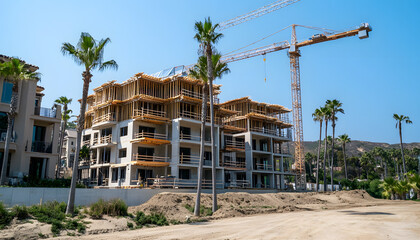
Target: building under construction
{"type": "Point", "coordinates": [145, 132]}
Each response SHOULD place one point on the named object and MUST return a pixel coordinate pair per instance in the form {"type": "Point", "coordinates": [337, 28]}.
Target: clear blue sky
{"type": "Point", "coordinates": [374, 78]}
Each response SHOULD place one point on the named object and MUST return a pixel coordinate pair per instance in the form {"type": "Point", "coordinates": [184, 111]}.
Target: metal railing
{"type": "Point", "coordinates": [145, 111]}
{"type": "Point", "coordinates": [237, 184]}
{"type": "Point", "coordinates": [150, 135]}
{"type": "Point", "coordinates": [178, 183]}
{"type": "Point", "coordinates": [109, 117]}
{"type": "Point", "coordinates": [41, 146]}
{"type": "Point", "coordinates": [235, 144]}
{"type": "Point", "coordinates": [262, 166]}
{"type": "Point", "coordinates": [45, 112]}
{"type": "Point", "coordinates": [139, 157]}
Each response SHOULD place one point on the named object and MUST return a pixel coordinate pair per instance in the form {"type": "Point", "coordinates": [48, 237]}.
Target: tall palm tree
{"type": "Point", "coordinates": [400, 119]}
{"type": "Point", "coordinates": [65, 116]}
{"type": "Point", "coordinates": [327, 116]}
{"type": "Point", "coordinates": [13, 71]}
{"type": "Point", "coordinates": [199, 71]}
{"type": "Point", "coordinates": [318, 116]}
{"type": "Point", "coordinates": [343, 139]}
{"type": "Point", "coordinates": [89, 53]}
{"type": "Point", "coordinates": [207, 36]}
{"type": "Point", "coordinates": [335, 106]}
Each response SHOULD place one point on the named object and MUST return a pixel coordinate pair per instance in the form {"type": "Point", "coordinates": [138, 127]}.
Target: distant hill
{"type": "Point", "coordinates": [356, 148]}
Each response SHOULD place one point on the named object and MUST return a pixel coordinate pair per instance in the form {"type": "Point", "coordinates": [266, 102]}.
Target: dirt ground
{"type": "Point", "coordinates": [277, 214]}
{"type": "Point", "coordinates": [397, 220]}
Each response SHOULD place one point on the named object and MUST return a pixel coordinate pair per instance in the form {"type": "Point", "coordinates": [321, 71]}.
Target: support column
{"type": "Point", "coordinates": [175, 148]}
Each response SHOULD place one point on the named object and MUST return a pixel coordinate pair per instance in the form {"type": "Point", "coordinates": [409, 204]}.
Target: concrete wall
{"type": "Point", "coordinates": [133, 197]}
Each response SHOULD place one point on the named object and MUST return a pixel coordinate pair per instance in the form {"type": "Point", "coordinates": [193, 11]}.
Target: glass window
{"type": "Point", "coordinates": [122, 153]}
{"type": "Point", "coordinates": [114, 174]}
{"type": "Point", "coordinates": [123, 131]}
{"type": "Point", "coordinates": [184, 173]}
{"type": "Point", "coordinates": [122, 173]}
{"type": "Point", "coordinates": [6, 95]}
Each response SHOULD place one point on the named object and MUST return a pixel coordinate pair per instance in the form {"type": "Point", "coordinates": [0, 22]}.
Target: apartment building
{"type": "Point", "coordinates": [34, 144]}
{"type": "Point", "coordinates": [146, 132]}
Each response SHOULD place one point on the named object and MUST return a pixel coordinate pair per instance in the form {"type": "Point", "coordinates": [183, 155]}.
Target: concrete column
{"type": "Point", "coordinates": [272, 181]}
{"type": "Point", "coordinates": [175, 148]}
{"type": "Point", "coordinates": [248, 156]}
{"type": "Point", "coordinates": [44, 167]}
{"type": "Point", "coordinates": [259, 180]}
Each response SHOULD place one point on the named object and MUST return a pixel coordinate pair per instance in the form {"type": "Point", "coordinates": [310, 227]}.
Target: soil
{"type": "Point", "coordinates": [231, 205]}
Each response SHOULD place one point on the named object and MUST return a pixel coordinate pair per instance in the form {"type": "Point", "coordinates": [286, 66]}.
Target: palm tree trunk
{"type": "Point", "coordinates": [402, 151]}
{"type": "Point", "coordinates": [332, 154]}
{"type": "Point", "coordinates": [200, 165]}
{"type": "Point", "coordinates": [345, 162]}
{"type": "Point", "coordinates": [10, 121]}
{"type": "Point", "coordinates": [213, 150]}
{"type": "Point", "coordinates": [80, 125]}
{"type": "Point", "coordinates": [317, 158]}
{"type": "Point", "coordinates": [325, 156]}
{"type": "Point", "coordinates": [60, 149]}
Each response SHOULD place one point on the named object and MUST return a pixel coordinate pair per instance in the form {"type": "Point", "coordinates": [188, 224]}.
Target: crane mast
{"type": "Point", "coordinates": [294, 55]}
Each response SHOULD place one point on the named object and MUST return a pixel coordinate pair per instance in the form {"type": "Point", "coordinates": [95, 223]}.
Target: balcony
{"type": "Point", "coordinates": [189, 159]}
{"type": "Point", "coordinates": [236, 165]}
{"type": "Point", "coordinates": [193, 138]}
{"type": "Point", "coordinates": [105, 120]}
{"type": "Point", "coordinates": [237, 184]}
{"type": "Point", "coordinates": [149, 161]}
{"type": "Point", "coordinates": [150, 115]}
{"type": "Point", "coordinates": [263, 167]}
{"type": "Point", "coordinates": [150, 138]}
{"type": "Point", "coordinates": [232, 145]}
{"type": "Point", "coordinates": [45, 112]}
{"type": "Point", "coordinates": [199, 96]}
{"type": "Point", "coordinates": [197, 116]}
{"type": "Point", "coordinates": [105, 139]}
{"type": "Point", "coordinates": [272, 132]}
{"type": "Point", "coordinates": [41, 147]}
{"type": "Point", "coordinates": [3, 133]}
{"type": "Point", "coordinates": [86, 142]}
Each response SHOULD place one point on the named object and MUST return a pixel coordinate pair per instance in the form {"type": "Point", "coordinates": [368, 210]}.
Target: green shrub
{"type": "Point", "coordinates": [130, 225]}
{"type": "Point", "coordinates": [21, 212]}
{"type": "Point", "coordinates": [5, 216]}
{"type": "Point", "coordinates": [142, 219]}
{"type": "Point", "coordinates": [189, 208]}
{"type": "Point", "coordinates": [115, 207]}
{"type": "Point", "coordinates": [203, 210]}
{"type": "Point", "coordinates": [49, 211]}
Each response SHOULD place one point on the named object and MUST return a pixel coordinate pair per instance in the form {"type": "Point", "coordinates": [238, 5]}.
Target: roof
{"type": "Point", "coordinates": [179, 70]}
{"type": "Point", "coordinates": [34, 68]}
{"type": "Point", "coordinates": [248, 99]}
{"type": "Point", "coordinates": [71, 133]}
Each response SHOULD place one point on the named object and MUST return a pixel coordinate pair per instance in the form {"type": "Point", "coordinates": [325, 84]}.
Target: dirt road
{"type": "Point", "coordinates": [400, 220]}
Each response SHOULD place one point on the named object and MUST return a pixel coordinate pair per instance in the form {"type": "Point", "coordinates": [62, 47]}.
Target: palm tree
{"type": "Point", "coordinates": [327, 116]}
{"type": "Point", "coordinates": [343, 139]}
{"type": "Point", "coordinates": [400, 119]}
{"type": "Point", "coordinates": [415, 183]}
{"type": "Point", "coordinates": [88, 53]}
{"type": "Point", "coordinates": [13, 71]}
{"type": "Point", "coordinates": [199, 71]}
{"type": "Point", "coordinates": [402, 189]}
{"type": "Point", "coordinates": [64, 118]}
{"type": "Point", "coordinates": [207, 36]}
{"type": "Point", "coordinates": [318, 116]}
{"type": "Point", "coordinates": [389, 185]}
{"type": "Point", "coordinates": [335, 107]}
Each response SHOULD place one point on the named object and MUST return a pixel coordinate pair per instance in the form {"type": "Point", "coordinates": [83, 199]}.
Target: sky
{"type": "Point", "coordinates": [373, 78]}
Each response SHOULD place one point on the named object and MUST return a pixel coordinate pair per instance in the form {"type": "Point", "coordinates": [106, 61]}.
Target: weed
{"type": "Point", "coordinates": [130, 225]}
{"type": "Point", "coordinates": [174, 222]}
{"type": "Point", "coordinates": [203, 210]}
{"type": "Point", "coordinates": [115, 207]}
{"type": "Point", "coordinates": [5, 216]}
{"type": "Point", "coordinates": [142, 219]}
{"type": "Point", "coordinates": [189, 208]}
{"type": "Point", "coordinates": [40, 235]}
{"type": "Point", "coordinates": [21, 212]}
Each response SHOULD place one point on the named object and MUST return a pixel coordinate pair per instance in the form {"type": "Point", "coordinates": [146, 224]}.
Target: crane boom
{"type": "Point", "coordinates": [256, 13]}
{"type": "Point", "coordinates": [294, 55]}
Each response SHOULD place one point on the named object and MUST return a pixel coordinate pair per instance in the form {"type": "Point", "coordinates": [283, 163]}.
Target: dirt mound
{"type": "Point", "coordinates": [178, 206]}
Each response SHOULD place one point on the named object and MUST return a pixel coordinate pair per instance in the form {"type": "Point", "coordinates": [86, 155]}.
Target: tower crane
{"type": "Point", "coordinates": [294, 53]}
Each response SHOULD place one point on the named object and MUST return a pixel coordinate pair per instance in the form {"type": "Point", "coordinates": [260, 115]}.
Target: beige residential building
{"type": "Point", "coordinates": [69, 148]}
{"type": "Point", "coordinates": [34, 145]}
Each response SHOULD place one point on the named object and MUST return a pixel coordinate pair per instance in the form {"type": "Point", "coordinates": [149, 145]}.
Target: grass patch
{"type": "Point", "coordinates": [115, 207]}
{"type": "Point", "coordinates": [20, 212]}
{"type": "Point", "coordinates": [5, 216]}
{"type": "Point", "coordinates": [204, 211]}
{"type": "Point", "coordinates": [142, 219]}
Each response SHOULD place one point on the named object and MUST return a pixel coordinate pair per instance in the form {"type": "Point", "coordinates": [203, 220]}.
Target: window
{"type": "Point", "coordinates": [122, 173]}
{"type": "Point", "coordinates": [6, 95]}
{"type": "Point", "coordinates": [146, 151]}
{"type": "Point", "coordinates": [123, 131]}
{"type": "Point", "coordinates": [146, 129]}
{"type": "Point", "coordinates": [114, 174]}
{"type": "Point", "coordinates": [184, 173]}
{"type": "Point", "coordinates": [186, 133]}
{"type": "Point", "coordinates": [72, 143]}
{"type": "Point", "coordinates": [254, 144]}
{"type": "Point", "coordinates": [122, 153]}
{"type": "Point", "coordinates": [207, 156]}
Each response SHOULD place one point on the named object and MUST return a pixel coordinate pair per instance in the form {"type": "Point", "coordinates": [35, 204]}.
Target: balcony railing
{"type": "Point", "coordinates": [104, 118]}
{"type": "Point", "coordinates": [235, 144]}
{"type": "Point", "coordinates": [276, 132]}
{"type": "Point", "coordinates": [145, 111]}
{"type": "Point", "coordinates": [41, 146]}
{"type": "Point", "coordinates": [45, 112]}
{"type": "Point", "coordinates": [105, 139]}
{"type": "Point", "coordinates": [234, 164]}
{"type": "Point", "coordinates": [86, 142]}
{"type": "Point", "coordinates": [183, 136]}
{"type": "Point", "coordinates": [150, 135]}
{"type": "Point", "coordinates": [197, 95]}
{"type": "Point", "coordinates": [262, 166]}
{"type": "Point", "coordinates": [188, 159]}
{"type": "Point", "coordinates": [177, 183]}
{"type": "Point", "coordinates": [3, 133]}
{"type": "Point", "coordinates": [237, 184]}
{"type": "Point", "coordinates": [139, 157]}
{"type": "Point", "coordinates": [197, 116]}
{"type": "Point", "coordinates": [95, 141]}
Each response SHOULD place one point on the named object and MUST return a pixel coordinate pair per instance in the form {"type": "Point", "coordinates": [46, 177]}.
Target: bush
{"type": "Point", "coordinates": [142, 219]}
{"type": "Point", "coordinates": [115, 207]}
{"type": "Point", "coordinates": [374, 188]}
{"type": "Point", "coordinates": [203, 210]}
{"type": "Point", "coordinates": [5, 216]}
{"type": "Point", "coordinates": [21, 212]}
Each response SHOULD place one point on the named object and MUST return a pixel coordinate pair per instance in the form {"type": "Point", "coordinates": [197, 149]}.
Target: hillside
{"type": "Point", "coordinates": [356, 148]}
